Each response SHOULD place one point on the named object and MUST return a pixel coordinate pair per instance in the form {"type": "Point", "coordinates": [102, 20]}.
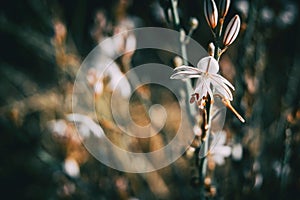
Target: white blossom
{"type": "Point", "coordinates": [219, 150]}
{"type": "Point", "coordinates": [209, 81]}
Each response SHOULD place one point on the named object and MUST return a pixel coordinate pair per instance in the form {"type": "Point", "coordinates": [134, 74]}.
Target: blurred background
{"type": "Point", "coordinates": [43, 43]}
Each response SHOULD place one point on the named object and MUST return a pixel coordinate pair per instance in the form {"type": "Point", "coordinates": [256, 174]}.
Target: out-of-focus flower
{"type": "Point", "coordinates": [232, 30]}
{"type": "Point", "coordinates": [281, 169]}
{"type": "Point", "coordinates": [122, 42]}
{"type": "Point", "coordinates": [243, 7]}
{"type": "Point", "coordinates": [66, 190]}
{"type": "Point", "coordinates": [158, 116]}
{"type": "Point", "coordinates": [218, 148]}
{"type": "Point", "coordinates": [117, 80]}
{"type": "Point", "coordinates": [107, 68]}
{"type": "Point", "coordinates": [71, 167]}
{"type": "Point", "coordinates": [177, 61]}
{"type": "Point", "coordinates": [252, 83]}
{"type": "Point", "coordinates": [288, 16]}
{"type": "Point", "coordinates": [194, 23]}
{"type": "Point", "coordinates": [267, 15]}
{"type": "Point", "coordinates": [258, 181]}
{"type": "Point", "coordinates": [208, 79]}
{"type": "Point", "coordinates": [95, 81]}
{"type": "Point", "coordinates": [190, 152]}
{"type": "Point", "coordinates": [60, 31]}
{"type": "Point", "coordinates": [211, 13]}
{"type": "Point", "coordinates": [223, 8]}
{"type": "Point", "coordinates": [237, 152]}
{"type": "Point", "coordinates": [86, 125]}
{"type": "Point", "coordinates": [102, 26]}
{"type": "Point", "coordinates": [58, 127]}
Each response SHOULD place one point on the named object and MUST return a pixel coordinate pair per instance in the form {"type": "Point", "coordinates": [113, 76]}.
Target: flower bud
{"type": "Point", "coordinates": [193, 23]}
{"type": "Point", "coordinates": [211, 49]}
{"type": "Point", "coordinates": [177, 61]}
{"type": "Point", "coordinates": [223, 8]}
{"type": "Point", "coordinates": [211, 13]}
{"type": "Point", "coordinates": [232, 30]}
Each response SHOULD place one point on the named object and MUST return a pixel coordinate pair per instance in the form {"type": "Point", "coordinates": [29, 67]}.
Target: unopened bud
{"type": "Point", "coordinates": [207, 182]}
{"type": "Point", "coordinates": [178, 61]}
{"type": "Point", "coordinates": [211, 13]}
{"type": "Point", "coordinates": [193, 23]}
{"type": "Point", "coordinates": [232, 30]}
{"type": "Point", "coordinates": [211, 49]}
{"type": "Point", "coordinates": [223, 8]}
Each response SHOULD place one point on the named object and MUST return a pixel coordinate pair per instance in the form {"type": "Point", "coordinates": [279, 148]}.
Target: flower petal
{"type": "Point", "coordinates": [222, 150]}
{"type": "Point", "coordinates": [224, 80]}
{"type": "Point", "coordinates": [201, 88]}
{"type": "Point", "coordinates": [223, 93]}
{"type": "Point", "coordinates": [187, 68]}
{"type": "Point", "coordinates": [217, 82]}
{"type": "Point", "coordinates": [219, 138]}
{"type": "Point", "coordinates": [184, 75]}
{"type": "Point", "coordinates": [207, 85]}
{"type": "Point", "coordinates": [183, 72]}
{"type": "Point", "coordinates": [208, 65]}
{"type": "Point", "coordinates": [219, 159]}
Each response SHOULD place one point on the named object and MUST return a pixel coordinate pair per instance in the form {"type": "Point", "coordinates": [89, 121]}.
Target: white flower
{"type": "Point", "coordinates": [209, 82]}
{"type": "Point", "coordinates": [237, 152]}
{"type": "Point", "coordinates": [86, 126]}
{"type": "Point", "coordinates": [106, 67]}
{"type": "Point", "coordinates": [218, 150]}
